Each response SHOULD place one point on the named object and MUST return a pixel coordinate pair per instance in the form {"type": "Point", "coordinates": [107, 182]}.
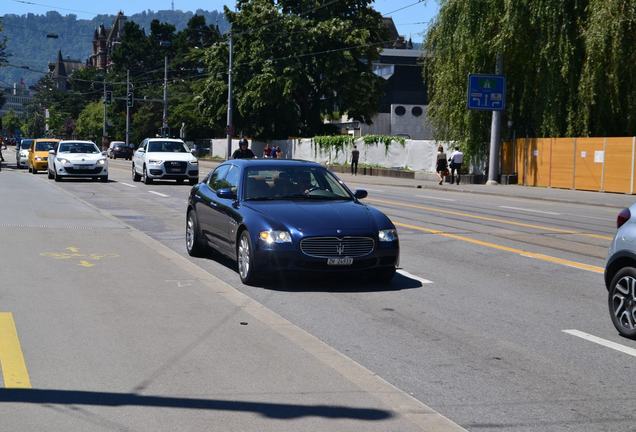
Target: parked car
{"type": "Point", "coordinates": [22, 152]}
{"type": "Point", "coordinates": [119, 149]}
{"type": "Point", "coordinates": [164, 159]}
{"type": "Point", "coordinates": [78, 159]}
{"type": "Point", "coordinates": [276, 216]}
{"type": "Point", "coordinates": [620, 274]}
{"type": "Point", "coordinates": [37, 159]}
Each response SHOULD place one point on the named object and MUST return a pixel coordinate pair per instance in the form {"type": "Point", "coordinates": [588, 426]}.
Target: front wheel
{"type": "Point", "coordinates": [136, 177]}
{"type": "Point", "coordinates": [195, 245]}
{"type": "Point", "coordinates": [34, 171]}
{"type": "Point", "coordinates": [50, 175]}
{"type": "Point", "coordinates": [622, 301]}
{"type": "Point", "coordinates": [147, 180]}
{"type": "Point", "coordinates": [193, 181]}
{"type": "Point", "coordinates": [104, 179]}
{"type": "Point", "coordinates": [245, 259]}
{"type": "Point", "coordinates": [57, 177]}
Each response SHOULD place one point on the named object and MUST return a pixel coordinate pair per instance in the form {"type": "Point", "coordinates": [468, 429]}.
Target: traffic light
{"type": "Point", "coordinates": [130, 98]}
{"type": "Point", "coordinates": [108, 98]}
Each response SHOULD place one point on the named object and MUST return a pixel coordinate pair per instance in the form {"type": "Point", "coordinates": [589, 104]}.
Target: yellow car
{"type": "Point", "coordinates": [39, 154]}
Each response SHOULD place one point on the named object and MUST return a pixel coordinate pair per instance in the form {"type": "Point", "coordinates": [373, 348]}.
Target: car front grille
{"type": "Point", "coordinates": [331, 247]}
{"type": "Point", "coordinates": [175, 167]}
{"type": "Point", "coordinates": [95, 170]}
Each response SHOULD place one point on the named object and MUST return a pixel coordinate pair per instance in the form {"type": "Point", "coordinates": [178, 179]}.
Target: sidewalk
{"type": "Point", "coordinates": [612, 200]}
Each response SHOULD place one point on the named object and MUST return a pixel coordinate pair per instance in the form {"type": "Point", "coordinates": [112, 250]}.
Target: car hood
{"type": "Point", "coordinates": [41, 154]}
{"type": "Point", "coordinates": [81, 157]}
{"type": "Point", "coordinates": [317, 217]}
{"type": "Point", "coordinates": [181, 157]}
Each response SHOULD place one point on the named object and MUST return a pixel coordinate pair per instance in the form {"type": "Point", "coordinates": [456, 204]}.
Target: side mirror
{"type": "Point", "coordinates": [104, 153]}
{"type": "Point", "coordinates": [360, 194]}
{"type": "Point", "coordinates": [52, 152]}
{"type": "Point", "coordinates": [225, 194]}
{"type": "Point", "coordinates": [193, 151]}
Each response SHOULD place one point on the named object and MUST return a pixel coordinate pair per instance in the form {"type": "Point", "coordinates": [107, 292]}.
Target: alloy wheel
{"type": "Point", "coordinates": [623, 303]}
{"type": "Point", "coordinates": [190, 233]}
{"type": "Point", "coordinates": [244, 257]}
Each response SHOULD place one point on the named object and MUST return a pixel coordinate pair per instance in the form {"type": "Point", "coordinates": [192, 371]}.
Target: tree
{"type": "Point", "coordinates": [294, 63]}
{"type": "Point", "coordinates": [11, 123]}
{"type": "Point", "coordinates": [90, 122]}
{"type": "Point", "coordinates": [567, 67]}
{"type": "Point", "coordinates": [3, 57]}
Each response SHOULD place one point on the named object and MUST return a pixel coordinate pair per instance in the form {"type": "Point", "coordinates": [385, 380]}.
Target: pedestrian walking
{"type": "Point", "coordinates": [243, 151]}
{"type": "Point", "coordinates": [355, 156]}
{"type": "Point", "coordinates": [456, 161]}
{"type": "Point", "coordinates": [441, 166]}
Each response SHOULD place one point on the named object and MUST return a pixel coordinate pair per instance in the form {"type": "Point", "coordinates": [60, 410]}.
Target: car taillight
{"type": "Point", "coordinates": [623, 217]}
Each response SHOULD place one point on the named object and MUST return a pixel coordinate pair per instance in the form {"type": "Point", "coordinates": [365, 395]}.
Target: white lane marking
{"type": "Point", "coordinates": [601, 341]}
{"type": "Point", "coordinates": [436, 198]}
{"type": "Point", "coordinates": [374, 190]}
{"type": "Point", "coordinates": [160, 194]}
{"type": "Point", "coordinates": [530, 210]}
{"type": "Point", "coordinates": [412, 276]}
{"type": "Point", "coordinates": [129, 185]}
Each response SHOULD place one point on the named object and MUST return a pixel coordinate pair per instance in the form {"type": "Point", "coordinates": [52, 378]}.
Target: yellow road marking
{"type": "Point", "coordinates": [538, 256]}
{"type": "Point", "coordinates": [73, 252]}
{"type": "Point", "coordinates": [14, 370]}
{"type": "Point", "coordinates": [489, 218]}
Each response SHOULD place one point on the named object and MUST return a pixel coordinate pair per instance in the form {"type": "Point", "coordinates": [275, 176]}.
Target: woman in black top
{"type": "Point", "coordinates": [441, 168]}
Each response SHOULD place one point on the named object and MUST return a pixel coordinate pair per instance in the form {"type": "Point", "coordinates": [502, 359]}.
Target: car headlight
{"type": "Point", "coordinates": [155, 162]}
{"type": "Point", "coordinates": [64, 161]}
{"type": "Point", "coordinates": [270, 237]}
{"type": "Point", "coordinates": [38, 158]}
{"type": "Point", "coordinates": [101, 162]}
{"type": "Point", "coordinates": [387, 235]}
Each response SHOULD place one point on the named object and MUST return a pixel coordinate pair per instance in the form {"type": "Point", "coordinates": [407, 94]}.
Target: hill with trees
{"type": "Point", "coordinates": [28, 45]}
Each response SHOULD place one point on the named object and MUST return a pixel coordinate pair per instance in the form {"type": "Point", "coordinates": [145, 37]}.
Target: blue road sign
{"type": "Point", "coordinates": [486, 92]}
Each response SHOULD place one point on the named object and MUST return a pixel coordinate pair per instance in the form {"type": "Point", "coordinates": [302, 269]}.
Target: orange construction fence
{"type": "Point", "coordinates": [594, 164]}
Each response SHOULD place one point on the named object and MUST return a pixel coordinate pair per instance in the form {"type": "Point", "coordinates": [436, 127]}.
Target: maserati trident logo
{"type": "Point", "coordinates": [340, 248]}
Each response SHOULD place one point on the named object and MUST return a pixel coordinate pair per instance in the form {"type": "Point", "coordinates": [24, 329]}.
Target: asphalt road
{"type": "Point", "coordinates": [473, 327]}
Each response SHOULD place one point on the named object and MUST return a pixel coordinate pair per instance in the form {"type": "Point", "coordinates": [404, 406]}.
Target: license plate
{"type": "Point", "coordinates": [82, 167]}
{"type": "Point", "coordinates": [340, 261]}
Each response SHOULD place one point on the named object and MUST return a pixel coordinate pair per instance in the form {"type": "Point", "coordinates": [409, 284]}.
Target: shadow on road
{"type": "Point", "coordinates": [343, 283]}
{"type": "Point", "coordinates": [265, 409]}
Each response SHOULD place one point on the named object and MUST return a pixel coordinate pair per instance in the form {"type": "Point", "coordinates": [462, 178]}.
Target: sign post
{"type": "Point", "coordinates": [488, 93]}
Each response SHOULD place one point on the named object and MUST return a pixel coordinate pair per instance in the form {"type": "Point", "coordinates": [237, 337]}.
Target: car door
{"type": "Point", "coordinates": [31, 155]}
{"type": "Point", "coordinates": [138, 158]}
{"type": "Point", "coordinates": [208, 211]}
{"type": "Point", "coordinates": [229, 217]}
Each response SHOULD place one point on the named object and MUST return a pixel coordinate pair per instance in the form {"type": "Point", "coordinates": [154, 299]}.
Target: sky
{"type": "Point", "coordinates": [411, 21]}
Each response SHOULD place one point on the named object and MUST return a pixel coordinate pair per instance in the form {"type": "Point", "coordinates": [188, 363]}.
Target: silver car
{"type": "Point", "coordinates": [22, 152]}
{"type": "Point", "coordinates": [620, 274]}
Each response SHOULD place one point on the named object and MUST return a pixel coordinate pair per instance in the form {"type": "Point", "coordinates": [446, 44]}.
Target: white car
{"type": "Point", "coordinates": [164, 159]}
{"type": "Point", "coordinates": [78, 159]}
{"type": "Point", "coordinates": [22, 152]}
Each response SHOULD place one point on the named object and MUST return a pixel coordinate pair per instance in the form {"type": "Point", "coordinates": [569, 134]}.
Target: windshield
{"type": "Point", "coordinates": [45, 145]}
{"type": "Point", "coordinates": [167, 147]}
{"type": "Point", "coordinates": [75, 147]}
{"type": "Point", "coordinates": [292, 182]}
{"type": "Point", "coordinates": [25, 144]}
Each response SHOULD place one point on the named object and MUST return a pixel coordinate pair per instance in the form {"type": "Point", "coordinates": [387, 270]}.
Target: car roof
{"type": "Point", "coordinates": [46, 140]}
{"type": "Point", "coordinates": [165, 139]}
{"type": "Point", "coordinates": [272, 162]}
{"type": "Point", "coordinates": [76, 142]}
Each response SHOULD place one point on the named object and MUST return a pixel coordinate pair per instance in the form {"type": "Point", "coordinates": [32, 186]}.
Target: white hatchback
{"type": "Point", "coordinates": [77, 159]}
{"type": "Point", "coordinates": [164, 159]}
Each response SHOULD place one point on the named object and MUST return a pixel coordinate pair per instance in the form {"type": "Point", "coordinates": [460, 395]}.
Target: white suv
{"type": "Point", "coordinates": [164, 159]}
{"type": "Point", "coordinates": [77, 159]}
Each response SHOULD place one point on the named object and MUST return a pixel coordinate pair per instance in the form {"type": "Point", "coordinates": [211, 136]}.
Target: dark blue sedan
{"type": "Point", "coordinates": [275, 216]}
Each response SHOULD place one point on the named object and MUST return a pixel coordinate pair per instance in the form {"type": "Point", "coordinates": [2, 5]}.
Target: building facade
{"type": "Point", "coordinates": [62, 68]}
{"type": "Point", "coordinates": [104, 42]}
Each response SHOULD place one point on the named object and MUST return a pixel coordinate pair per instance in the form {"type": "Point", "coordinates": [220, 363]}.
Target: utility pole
{"type": "Point", "coordinates": [495, 135]}
{"type": "Point", "coordinates": [104, 125]}
{"type": "Point", "coordinates": [229, 100]}
{"type": "Point", "coordinates": [127, 107]}
{"type": "Point", "coordinates": [164, 125]}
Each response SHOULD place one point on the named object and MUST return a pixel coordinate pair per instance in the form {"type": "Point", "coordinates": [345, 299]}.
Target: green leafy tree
{"type": "Point", "coordinates": [90, 122]}
{"type": "Point", "coordinates": [11, 123]}
{"type": "Point", "coordinates": [304, 63]}
{"type": "Point", "coordinates": [3, 57]}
